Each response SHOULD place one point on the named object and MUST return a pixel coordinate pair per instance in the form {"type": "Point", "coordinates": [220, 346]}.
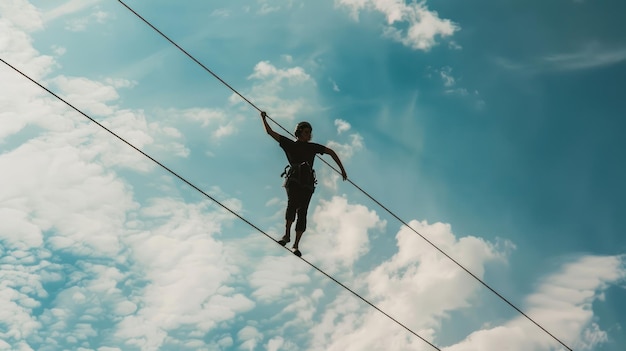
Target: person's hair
{"type": "Point", "coordinates": [302, 125]}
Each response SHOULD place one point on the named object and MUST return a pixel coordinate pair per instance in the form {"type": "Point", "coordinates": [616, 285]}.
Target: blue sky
{"type": "Point", "coordinates": [494, 130]}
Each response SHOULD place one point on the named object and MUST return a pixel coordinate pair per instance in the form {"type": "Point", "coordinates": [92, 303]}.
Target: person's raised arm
{"type": "Point", "coordinates": [333, 154]}
{"type": "Point", "coordinates": [268, 129]}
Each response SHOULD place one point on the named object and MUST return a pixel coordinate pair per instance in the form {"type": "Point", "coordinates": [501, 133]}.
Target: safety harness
{"type": "Point", "coordinates": [302, 174]}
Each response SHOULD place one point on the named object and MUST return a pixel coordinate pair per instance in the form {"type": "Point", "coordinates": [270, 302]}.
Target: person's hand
{"type": "Point", "coordinates": [263, 114]}
{"type": "Point", "coordinates": [344, 175]}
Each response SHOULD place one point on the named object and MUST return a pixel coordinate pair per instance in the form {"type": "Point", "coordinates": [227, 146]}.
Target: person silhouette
{"type": "Point", "coordinates": [300, 177]}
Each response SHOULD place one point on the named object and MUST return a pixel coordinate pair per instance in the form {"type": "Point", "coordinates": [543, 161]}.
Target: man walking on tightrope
{"type": "Point", "coordinates": [300, 182]}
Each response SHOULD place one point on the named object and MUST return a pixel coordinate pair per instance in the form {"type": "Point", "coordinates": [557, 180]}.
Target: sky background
{"type": "Point", "coordinates": [495, 129]}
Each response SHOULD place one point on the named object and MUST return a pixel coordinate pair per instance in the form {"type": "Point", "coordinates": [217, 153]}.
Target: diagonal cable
{"type": "Point", "coordinates": [351, 182]}
{"type": "Point", "coordinates": [220, 204]}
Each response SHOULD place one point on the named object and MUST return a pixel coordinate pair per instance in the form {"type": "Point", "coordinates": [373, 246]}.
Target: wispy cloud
{"type": "Point", "coordinates": [69, 7]}
{"type": "Point", "coordinates": [446, 76]}
{"type": "Point", "coordinates": [589, 57]}
{"type": "Point", "coordinates": [80, 24]}
{"type": "Point", "coordinates": [275, 6]}
{"type": "Point", "coordinates": [335, 85]}
{"type": "Point", "coordinates": [451, 86]}
{"type": "Point", "coordinates": [221, 13]}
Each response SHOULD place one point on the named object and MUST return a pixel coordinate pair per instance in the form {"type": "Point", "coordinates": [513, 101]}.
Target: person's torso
{"type": "Point", "coordinates": [300, 151]}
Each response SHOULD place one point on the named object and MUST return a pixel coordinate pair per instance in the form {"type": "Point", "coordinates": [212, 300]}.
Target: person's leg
{"type": "Point", "coordinates": [287, 237]}
{"type": "Point", "coordinates": [298, 236]}
{"type": "Point", "coordinates": [302, 213]}
{"type": "Point", "coordinates": [290, 213]}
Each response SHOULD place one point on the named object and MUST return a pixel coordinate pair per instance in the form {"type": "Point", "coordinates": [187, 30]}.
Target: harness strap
{"type": "Point", "coordinates": [295, 174]}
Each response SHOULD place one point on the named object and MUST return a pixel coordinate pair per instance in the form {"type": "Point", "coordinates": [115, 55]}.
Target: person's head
{"type": "Point", "coordinates": [303, 131]}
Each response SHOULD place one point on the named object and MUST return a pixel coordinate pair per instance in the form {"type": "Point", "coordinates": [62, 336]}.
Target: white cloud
{"type": "Point", "coordinates": [342, 126]}
{"type": "Point", "coordinates": [181, 262]}
{"type": "Point", "coordinates": [87, 95]}
{"type": "Point", "coordinates": [273, 278]}
{"type": "Point", "coordinates": [17, 51]}
{"type": "Point", "coordinates": [219, 121]}
{"type": "Point", "coordinates": [329, 178]}
{"type": "Point", "coordinates": [437, 284]}
{"type": "Point", "coordinates": [90, 296]}
{"type": "Point", "coordinates": [249, 337]}
{"type": "Point", "coordinates": [16, 229]}
{"type": "Point", "coordinates": [16, 113]}
{"type": "Point", "coordinates": [562, 304]}
{"type": "Point", "coordinates": [417, 286]}
{"type": "Point", "coordinates": [265, 70]}
{"type": "Point", "coordinates": [120, 83]}
{"type": "Point", "coordinates": [224, 130]}
{"type": "Point", "coordinates": [134, 127]}
{"type": "Point", "coordinates": [275, 344]}
{"type": "Point", "coordinates": [280, 92]}
{"type": "Point", "coordinates": [341, 232]}
{"type": "Point", "coordinates": [304, 309]}
{"type": "Point", "coordinates": [205, 116]}
{"type": "Point", "coordinates": [65, 199]}
{"type": "Point", "coordinates": [23, 15]}
{"type": "Point", "coordinates": [95, 99]}
{"type": "Point", "coordinates": [178, 259]}
{"type": "Point", "coordinates": [17, 302]}
{"type": "Point", "coordinates": [273, 201]}
{"type": "Point", "coordinates": [346, 151]}
{"type": "Point", "coordinates": [423, 26]}
{"type": "Point", "coordinates": [57, 200]}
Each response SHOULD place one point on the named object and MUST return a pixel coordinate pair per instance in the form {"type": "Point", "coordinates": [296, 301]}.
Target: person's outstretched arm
{"type": "Point", "coordinates": [268, 129]}
{"type": "Point", "coordinates": [333, 154]}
